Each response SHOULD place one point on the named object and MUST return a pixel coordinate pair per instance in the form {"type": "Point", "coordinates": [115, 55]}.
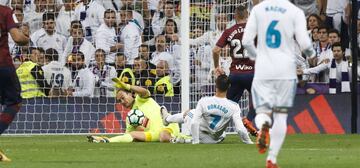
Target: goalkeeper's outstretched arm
{"type": "Point", "coordinates": [142, 92]}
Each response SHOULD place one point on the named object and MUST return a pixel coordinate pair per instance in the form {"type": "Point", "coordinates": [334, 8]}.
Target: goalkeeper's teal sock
{"type": "Point", "coordinates": [7, 116]}
{"type": "Point", "coordinates": [126, 138]}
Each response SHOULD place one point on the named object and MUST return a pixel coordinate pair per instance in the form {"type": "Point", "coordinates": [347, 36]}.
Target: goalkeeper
{"type": "Point", "coordinates": [135, 97]}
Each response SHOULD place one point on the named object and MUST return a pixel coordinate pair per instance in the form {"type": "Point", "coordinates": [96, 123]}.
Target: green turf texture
{"type": "Point", "coordinates": [313, 151]}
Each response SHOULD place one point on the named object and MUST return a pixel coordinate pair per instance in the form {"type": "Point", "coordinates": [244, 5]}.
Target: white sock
{"type": "Point", "coordinates": [260, 120]}
{"type": "Point", "coordinates": [277, 135]}
{"type": "Point", "coordinates": [175, 118]}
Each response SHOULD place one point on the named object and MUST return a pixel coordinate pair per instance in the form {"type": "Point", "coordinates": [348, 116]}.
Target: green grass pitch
{"type": "Point", "coordinates": [312, 151]}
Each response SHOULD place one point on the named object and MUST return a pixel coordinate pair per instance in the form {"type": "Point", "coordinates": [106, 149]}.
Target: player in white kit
{"type": "Point", "coordinates": [275, 23]}
{"type": "Point", "coordinates": [208, 122]}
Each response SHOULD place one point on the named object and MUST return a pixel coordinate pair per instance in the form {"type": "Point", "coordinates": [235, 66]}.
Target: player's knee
{"type": "Point", "coordinates": [165, 136]}
{"type": "Point", "coordinates": [263, 110]}
{"type": "Point", "coordinates": [280, 110]}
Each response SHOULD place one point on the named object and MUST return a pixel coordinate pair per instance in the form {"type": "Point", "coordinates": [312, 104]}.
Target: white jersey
{"type": "Point", "coordinates": [131, 37]}
{"type": "Point", "coordinates": [46, 41]}
{"type": "Point", "coordinates": [213, 114]}
{"type": "Point", "coordinates": [57, 75]}
{"type": "Point", "coordinates": [276, 23]}
{"type": "Point", "coordinates": [84, 83]}
{"type": "Point", "coordinates": [105, 39]}
{"type": "Point", "coordinates": [85, 47]}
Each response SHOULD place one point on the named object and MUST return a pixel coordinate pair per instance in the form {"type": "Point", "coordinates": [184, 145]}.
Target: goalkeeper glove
{"type": "Point", "coordinates": [121, 84]}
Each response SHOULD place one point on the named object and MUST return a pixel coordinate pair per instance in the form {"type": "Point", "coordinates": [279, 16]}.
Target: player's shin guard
{"type": "Point", "coordinates": [126, 138]}
{"type": "Point", "coordinates": [7, 116]}
{"type": "Point", "coordinates": [277, 135]}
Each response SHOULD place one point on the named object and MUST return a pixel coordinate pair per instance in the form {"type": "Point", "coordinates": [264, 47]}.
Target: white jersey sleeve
{"type": "Point", "coordinates": [195, 123]}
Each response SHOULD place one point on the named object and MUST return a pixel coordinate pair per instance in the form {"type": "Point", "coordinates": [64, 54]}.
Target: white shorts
{"type": "Point", "coordinates": [273, 93]}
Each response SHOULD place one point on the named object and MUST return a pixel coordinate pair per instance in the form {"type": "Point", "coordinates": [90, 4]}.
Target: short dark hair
{"type": "Point", "coordinates": [324, 27]}
{"type": "Point", "coordinates": [241, 11]}
{"type": "Point", "coordinates": [109, 11]}
{"type": "Point", "coordinates": [222, 82]}
{"type": "Point", "coordinates": [51, 54]}
{"type": "Point", "coordinates": [76, 24]}
{"type": "Point", "coordinates": [47, 16]}
{"type": "Point", "coordinates": [337, 44]}
{"type": "Point", "coordinates": [175, 25]}
{"type": "Point", "coordinates": [334, 31]}
{"type": "Point", "coordinates": [100, 50]}
{"type": "Point", "coordinates": [79, 53]}
{"type": "Point", "coordinates": [41, 50]}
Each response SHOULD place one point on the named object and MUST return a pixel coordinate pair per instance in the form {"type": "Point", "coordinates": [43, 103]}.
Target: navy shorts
{"type": "Point", "coordinates": [239, 82]}
{"type": "Point", "coordinates": [10, 90]}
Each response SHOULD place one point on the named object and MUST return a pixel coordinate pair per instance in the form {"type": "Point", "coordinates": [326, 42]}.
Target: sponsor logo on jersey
{"type": "Point", "coordinates": [243, 67]}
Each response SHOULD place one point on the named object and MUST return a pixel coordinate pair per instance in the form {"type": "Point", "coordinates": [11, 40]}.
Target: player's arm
{"type": "Point", "coordinates": [239, 126]}
{"type": "Point", "coordinates": [221, 43]}
{"type": "Point", "coordinates": [250, 33]}
{"type": "Point", "coordinates": [216, 56]}
{"type": "Point", "coordinates": [17, 35]}
{"type": "Point", "coordinates": [195, 123]}
{"type": "Point", "coordinates": [142, 92]}
{"type": "Point", "coordinates": [301, 35]}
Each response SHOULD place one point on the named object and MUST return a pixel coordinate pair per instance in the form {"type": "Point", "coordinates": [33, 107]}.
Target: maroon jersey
{"type": "Point", "coordinates": [6, 23]}
{"type": "Point", "coordinates": [233, 37]}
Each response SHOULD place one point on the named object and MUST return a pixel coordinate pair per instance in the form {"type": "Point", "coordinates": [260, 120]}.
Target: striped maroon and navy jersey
{"type": "Point", "coordinates": [233, 37]}
{"type": "Point", "coordinates": [6, 23]}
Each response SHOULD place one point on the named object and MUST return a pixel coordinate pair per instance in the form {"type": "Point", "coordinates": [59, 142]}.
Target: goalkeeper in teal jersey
{"type": "Point", "coordinates": [135, 97]}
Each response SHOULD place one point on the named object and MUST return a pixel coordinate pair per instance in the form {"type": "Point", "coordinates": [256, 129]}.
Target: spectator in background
{"type": "Point", "coordinates": [77, 43]}
{"type": "Point", "coordinates": [313, 21]}
{"type": "Point", "coordinates": [144, 53]}
{"type": "Point", "coordinates": [47, 37]}
{"type": "Point", "coordinates": [91, 15]}
{"type": "Point", "coordinates": [104, 86]}
{"type": "Point", "coordinates": [120, 63]}
{"type": "Point", "coordinates": [130, 36]}
{"type": "Point", "coordinates": [337, 60]}
{"type": "Point", "coordinates": [84, 81]}
{"type": "Point", "coordinates": [56, 74]}
{"type": "Point", "coordinates": [171, 32]}
{"type": "Point", "coordinates": [37, 55]}
{"type": "Point", "coordinates": [165, 11]}
{"type": "Point", "coordinates": [31, 76]}
{"type": "Point", "coordinates": [63, 19]}
{"type": "Point", "coordinates": [35, 16]}
{"type": "Point", "coordinates": [144, 77]}
{"type": "Point", "coordinates": [16, 4]}
{"type": "Point", "coordinates": [309, 7]}
{"type": "Point", "coordinates": [163, 83]}
{"type": "Point", "coordinates": [161, 53]}
{"type": "Point", "coordinates": [106, 37]}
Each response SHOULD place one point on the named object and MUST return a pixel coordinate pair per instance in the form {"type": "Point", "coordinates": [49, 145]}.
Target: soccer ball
{"type": "Point", "coordinates": [135, 117]}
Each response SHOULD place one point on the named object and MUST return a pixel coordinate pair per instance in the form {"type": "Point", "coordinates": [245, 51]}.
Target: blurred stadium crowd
{"type": "Point", "coordinates": [78, 46]}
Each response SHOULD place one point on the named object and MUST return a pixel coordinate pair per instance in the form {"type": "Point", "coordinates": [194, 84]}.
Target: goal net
{"type": "Point", "coordinates": [64, 112]}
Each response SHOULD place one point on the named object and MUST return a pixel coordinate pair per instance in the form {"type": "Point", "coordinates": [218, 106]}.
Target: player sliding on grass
{"type": "Point", "coordinates": [135, 97]}
{"type": "Point", "coordinates": [276, 24]}
{"type": "Point", "coordinates": [211, 117]}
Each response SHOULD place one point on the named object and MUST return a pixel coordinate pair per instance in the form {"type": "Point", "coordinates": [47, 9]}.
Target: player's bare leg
{"type": "Point", "coordinates": [6, 118]}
